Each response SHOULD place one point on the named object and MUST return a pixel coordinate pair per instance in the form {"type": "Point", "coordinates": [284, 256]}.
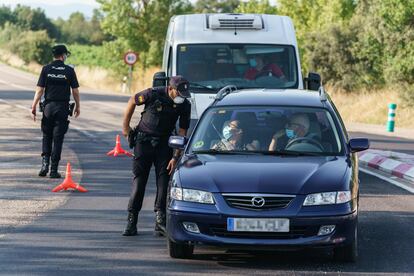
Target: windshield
{"type": "Point", "coordinates": [210, 67]}
{"type": "Point", "coordinates": [266, 130]}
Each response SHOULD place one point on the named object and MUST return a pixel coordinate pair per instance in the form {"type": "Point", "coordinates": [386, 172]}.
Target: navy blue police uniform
{"type": "Point", "coordinates": [158, 120]}
{"type": "Point", "coordinates": [57, 79]}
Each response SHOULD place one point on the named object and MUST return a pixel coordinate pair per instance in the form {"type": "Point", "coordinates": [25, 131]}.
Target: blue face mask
{"type": "Point", "coordinates": [290, 133]}
{"type": "Point", "coordinates": [227, 132]}
{"type": "Point", "coordinates": [252, 62]}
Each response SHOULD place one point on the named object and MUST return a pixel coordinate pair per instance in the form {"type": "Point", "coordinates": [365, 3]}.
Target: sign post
{"type": "Point", "coordinates": [130, 58]}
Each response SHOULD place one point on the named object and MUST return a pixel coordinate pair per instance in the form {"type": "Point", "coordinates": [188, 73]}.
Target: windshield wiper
{"type": "Point", "coordinates": [214, 151]}
{"type": "Point", "coordinates": [288, 153]}
{"type": "Point", "coordinates": [197, 85]}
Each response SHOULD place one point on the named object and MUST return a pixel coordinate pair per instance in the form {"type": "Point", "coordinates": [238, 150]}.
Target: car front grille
{"type": "Point", "coordinates": [258, 201]}
{"type": "Point", "coordinates": [294, 233]}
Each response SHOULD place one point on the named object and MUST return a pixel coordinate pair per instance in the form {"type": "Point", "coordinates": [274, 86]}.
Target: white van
{"type": "Point", "coordinates": [245, 50]}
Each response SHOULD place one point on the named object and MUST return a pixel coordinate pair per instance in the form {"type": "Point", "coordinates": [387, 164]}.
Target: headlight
{"type": "Point", "coordinates": [191, 195]}
{"type": "Point", "coordinates": [327, 198]}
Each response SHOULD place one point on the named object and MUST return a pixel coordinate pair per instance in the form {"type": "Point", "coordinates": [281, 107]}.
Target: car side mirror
{"type": "Point", "coordinates": [177, 142]}
{"type": "Point", "coordinates": [313, 81]}
{"type": "Point", "coordinates": [358, 144]}
{"type": "Point", "coordinates": [159, 79]}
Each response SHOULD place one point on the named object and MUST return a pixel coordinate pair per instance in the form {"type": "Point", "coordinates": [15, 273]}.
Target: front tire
{"type": "Point", "coordinates": [180, 250]}
{"type": "Point", "coordinates": [347, 253]}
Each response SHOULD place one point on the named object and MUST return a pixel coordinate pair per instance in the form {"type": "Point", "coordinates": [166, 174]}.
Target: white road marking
{"type": "Point", "coordinates": [17, 85]}
{"type": "Point", "coordinates": [389, 180]}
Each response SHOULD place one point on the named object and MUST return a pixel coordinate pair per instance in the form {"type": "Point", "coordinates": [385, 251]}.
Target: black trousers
{"type": "Point", "coordinates": [145, 156]}
{"type": "Point", "coordinates": [54, 126]}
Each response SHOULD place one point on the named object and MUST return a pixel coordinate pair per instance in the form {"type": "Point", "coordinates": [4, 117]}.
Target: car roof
{"type": "Point", "coordinates": [285, 97]}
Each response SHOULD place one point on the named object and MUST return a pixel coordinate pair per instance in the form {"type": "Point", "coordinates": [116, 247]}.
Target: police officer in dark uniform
{"type": "Point", "coordinates": [163, 107]}
{"type": "Point", "coordinates": [56, 82]}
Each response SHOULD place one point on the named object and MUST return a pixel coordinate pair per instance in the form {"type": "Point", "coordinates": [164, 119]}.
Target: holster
{"type": "Point", "coordinates": [71, 108]}
{"type": "Point", "coordinates": [144, 137]}
{"type": "Point", "coordinates": [132, 138]}
{"type": "Point", "coordinates": [42, 106]}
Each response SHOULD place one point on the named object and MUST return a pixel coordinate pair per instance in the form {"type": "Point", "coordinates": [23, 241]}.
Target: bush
{"type": "Point", "coordinates": [28, 45]}
{"type": "Point", "coordinates": [33, 46]}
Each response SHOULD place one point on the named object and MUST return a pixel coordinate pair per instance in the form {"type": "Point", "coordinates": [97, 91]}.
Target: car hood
{"type": "Point", "coordinates": [263, 174]}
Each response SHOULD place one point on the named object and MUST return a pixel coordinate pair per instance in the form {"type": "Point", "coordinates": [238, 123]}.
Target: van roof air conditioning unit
{"type": "Point", "coordinates": [235, 21]}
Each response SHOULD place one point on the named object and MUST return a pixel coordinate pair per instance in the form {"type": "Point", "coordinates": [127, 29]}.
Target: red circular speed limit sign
{"type": "Point", "coordinates": [130, 58]}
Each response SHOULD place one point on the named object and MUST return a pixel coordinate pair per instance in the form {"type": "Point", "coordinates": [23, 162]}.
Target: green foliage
{"type": "Point", "coordinates": [34, 20]}
{"type": "Point", "coordinates": [78, 30]}
{"type": "Point", "coordinates": [6, 15]}
{"type": "Point", "coordinates": [216, 6]}
{"type": "Point", "coordinates": [257, 6]}
{"type": "Point", "coordinates": [141, 22]}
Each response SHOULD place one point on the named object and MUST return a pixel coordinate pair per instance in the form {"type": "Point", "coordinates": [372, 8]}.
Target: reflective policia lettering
{"type": "Point", "coordinates": [60, 76]}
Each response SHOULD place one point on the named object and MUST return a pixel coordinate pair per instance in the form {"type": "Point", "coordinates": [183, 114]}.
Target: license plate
{"type": "Point", "coordinates": [257, 225]}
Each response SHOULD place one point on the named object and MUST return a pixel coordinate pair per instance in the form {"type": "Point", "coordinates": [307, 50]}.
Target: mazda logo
{"type": "Point", "coordinates": [258, 201]}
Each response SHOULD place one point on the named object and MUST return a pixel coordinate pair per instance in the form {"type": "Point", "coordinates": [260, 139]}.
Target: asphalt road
{"type": "Point", "coordinates": [83, 236]}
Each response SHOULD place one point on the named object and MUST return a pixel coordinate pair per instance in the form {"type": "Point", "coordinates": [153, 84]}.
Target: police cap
{"type": "Point", "coordinates": [59, 50]}
{"type": "Point", "coordinates": [181, 84]}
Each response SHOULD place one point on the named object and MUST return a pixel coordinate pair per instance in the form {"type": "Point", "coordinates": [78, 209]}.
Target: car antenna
{"type": "Point", "coordinates": [225, 91]}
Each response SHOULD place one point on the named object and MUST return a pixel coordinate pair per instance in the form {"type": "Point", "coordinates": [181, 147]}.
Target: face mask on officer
{"type": "Point", "coordinates": [178, 100]}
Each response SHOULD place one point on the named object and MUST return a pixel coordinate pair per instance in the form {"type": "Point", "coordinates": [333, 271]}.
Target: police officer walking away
{"type": "Point", "coordinates": [55, 82]}
{"type": "Point", "coordinates": [163, 107]}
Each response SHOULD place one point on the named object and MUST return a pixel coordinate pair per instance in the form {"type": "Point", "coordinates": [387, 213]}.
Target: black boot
{"type": "Point", "coordinates": [45, 166]}
{"type": "Point", "coordinates": [159, 223]}
{"type": "Point", "coordinates": [54, 170]}
{"type": "Point", "coordinates": [131, 229]}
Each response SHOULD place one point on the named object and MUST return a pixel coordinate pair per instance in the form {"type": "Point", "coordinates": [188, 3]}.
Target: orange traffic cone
{"type": "Point", "coordinates": [68, 182]}
{"type": "Point", "coordinates": [118, 150]}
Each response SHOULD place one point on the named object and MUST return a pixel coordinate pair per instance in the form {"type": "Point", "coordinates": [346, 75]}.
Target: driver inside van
{"type": "Point", "coordinates": [233, 138]}
{"type": "Point", "coordinates": [297, 127]}
{"type": "Point", "coordinates": [258, 68]}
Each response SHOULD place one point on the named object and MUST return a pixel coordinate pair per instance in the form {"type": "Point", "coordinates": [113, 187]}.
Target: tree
{"type": "Point", "coordinates": [141, 23]}
{"type": "Point", "coordinates": [6, 15]}
{"type": "Point", "coordinates": [216, 6]}
{"type": "Point", "coordinates": [257, 6]}
{"type": "Point", "coordinates": [34, 20]}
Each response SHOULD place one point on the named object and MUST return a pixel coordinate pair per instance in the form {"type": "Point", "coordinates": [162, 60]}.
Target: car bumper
{"type": "Point", "coordinates": [303, 232]}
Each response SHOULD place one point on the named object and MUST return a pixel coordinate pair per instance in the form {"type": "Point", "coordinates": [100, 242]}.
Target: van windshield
{"type": "Point", "coordinates": [210, 67]}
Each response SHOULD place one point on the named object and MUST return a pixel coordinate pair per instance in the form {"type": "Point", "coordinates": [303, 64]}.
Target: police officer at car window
{"type": "Point", "coordinates": [163, 107]}
{"type": "Point", "coordinates": [56, 82]}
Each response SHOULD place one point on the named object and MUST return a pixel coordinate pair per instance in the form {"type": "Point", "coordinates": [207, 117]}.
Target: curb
{"type": "Point", "coordinates": [376, 160]}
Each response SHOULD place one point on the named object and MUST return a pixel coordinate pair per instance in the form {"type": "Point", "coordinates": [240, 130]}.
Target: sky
{"type": "Point", "coordinates": [63, 8]}
{"type": "Point", "coordinates": [55, 9]}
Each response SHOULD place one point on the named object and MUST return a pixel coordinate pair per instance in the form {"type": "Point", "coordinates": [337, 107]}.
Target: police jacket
{"type": "Point", "coordinates": [57, 79]}
{"type": "Point", "coordinates": [160, 113]}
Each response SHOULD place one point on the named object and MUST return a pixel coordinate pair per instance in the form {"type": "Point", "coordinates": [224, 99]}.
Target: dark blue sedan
{"type": "Point", "coordinates": [266, 169]}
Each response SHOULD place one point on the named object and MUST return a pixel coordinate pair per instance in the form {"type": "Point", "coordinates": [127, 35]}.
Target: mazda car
{"type": "Point", "coordinates": [266, 170]}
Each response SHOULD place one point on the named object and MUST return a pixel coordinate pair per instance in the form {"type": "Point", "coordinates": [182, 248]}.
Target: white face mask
{"type": "Point", "coordinates": [65, 56]}
{"type": "Point", "coordinates": [178, 100]}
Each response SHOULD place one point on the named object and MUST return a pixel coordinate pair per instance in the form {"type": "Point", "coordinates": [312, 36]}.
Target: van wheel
{"type": "Point", "coordinates": [348, 253]}
{"type": "Point", "coordinates": [180, 250]}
